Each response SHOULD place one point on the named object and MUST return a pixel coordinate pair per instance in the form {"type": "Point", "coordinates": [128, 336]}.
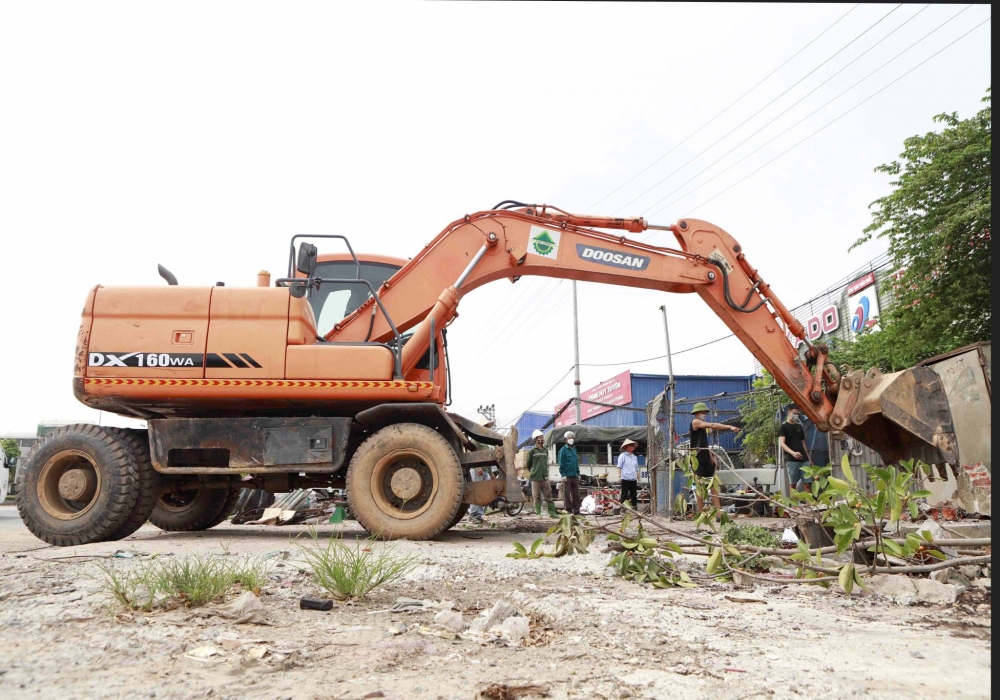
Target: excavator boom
{"type": "Point", "coordinates": [900, 415]}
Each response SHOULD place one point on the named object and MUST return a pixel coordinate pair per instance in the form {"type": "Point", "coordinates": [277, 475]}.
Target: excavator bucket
{"type": "Point", "coordinates": [903, 415]}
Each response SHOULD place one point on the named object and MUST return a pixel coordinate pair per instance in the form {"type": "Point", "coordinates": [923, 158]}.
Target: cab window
{"type": "Point", "coordinates": [333, 301]}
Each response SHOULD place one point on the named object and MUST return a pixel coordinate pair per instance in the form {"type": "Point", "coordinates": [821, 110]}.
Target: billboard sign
{"type": "Point", "coordinates": [818, 325]}
{"type": "Point", "coordinates": [616, 391]}
{"type": "Point", "coordinates": [860, 283]}
{"type": "Point", "coordinates": [864, 310]}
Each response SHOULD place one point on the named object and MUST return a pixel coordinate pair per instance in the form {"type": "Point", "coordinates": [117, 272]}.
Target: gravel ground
{"type": "Point", "coordinates": [592, 635]}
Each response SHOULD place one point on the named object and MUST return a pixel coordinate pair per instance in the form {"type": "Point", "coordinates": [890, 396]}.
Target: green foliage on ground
{"type": "Point", "coordinates": [573, 536]}
{"type": "Point", "coordinates": [191, 580]}
{"type": "Point", "coordinates": [937, 223]}
{"type": "Point", "coordinates": [856, 514]}
{"type": "Point", "coordinates": [753, 535]}
{"type": "Point", "coordinates": [645, 559]}
{"type": "Point", "coordinates": [352, 572]}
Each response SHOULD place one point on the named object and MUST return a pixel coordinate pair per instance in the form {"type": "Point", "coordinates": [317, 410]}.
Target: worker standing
{"type": "Point", "coordinates": [537, 463]}
{"type": "Point", "coordinates": [792, 440]}
{"type": "Point", "coordinates": [476, 513]}
{"type": "Point", "coordinates": [699, 443]}
{"type": "Point", "coordinates": [628, 472]}
{"type": "Point", "coordinates": [569, 470]}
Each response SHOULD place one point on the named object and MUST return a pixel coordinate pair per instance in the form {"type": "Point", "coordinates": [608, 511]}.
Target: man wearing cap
{"type": "Point", "coordinates": [537, 464]}
{"type": "Point", "coordinates": [792, 441]}
{"type": "Point", "coordinates": [628, 471]}
{"type": "Point", "coordinates": [569, 470]}
{"type": "Point", "coordinates": [699, 443]}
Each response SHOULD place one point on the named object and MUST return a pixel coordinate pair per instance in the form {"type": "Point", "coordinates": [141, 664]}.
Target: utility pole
{"type": "Point", "coordinates": [488, 412]}
{"type": "Point", "coordinates": [668, 487]}
{"type": "Point", "coordinates": [576, 356]}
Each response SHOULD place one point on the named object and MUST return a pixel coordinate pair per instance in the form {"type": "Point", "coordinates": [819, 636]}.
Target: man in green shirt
{"type": "Point", "coordinates": [569, 469]}
{"type": "Point", "coordinates": [537, 464]}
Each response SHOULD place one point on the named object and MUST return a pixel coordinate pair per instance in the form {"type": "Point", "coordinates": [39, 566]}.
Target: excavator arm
{"type": "Point", "coordinates": [542, 240]}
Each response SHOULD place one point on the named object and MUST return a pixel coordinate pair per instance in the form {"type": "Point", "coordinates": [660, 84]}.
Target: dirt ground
{"type": "Point", "coordinates": [593, 635]}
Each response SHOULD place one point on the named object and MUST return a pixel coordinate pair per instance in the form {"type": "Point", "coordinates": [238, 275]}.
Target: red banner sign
{"type": "Point", "coordinates": [616, 391]}
{"type": "Point", "coordinates": [860, 283]}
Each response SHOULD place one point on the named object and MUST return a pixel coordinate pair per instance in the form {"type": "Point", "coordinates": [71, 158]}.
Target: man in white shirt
{"type": "Point", "coordinates": [628, 471]}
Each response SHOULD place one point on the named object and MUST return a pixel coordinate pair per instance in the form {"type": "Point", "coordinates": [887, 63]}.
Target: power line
{"type": "Point", "coordinates": [803, 98]}
{"type": "Point", "coordinates": [530, 296]}
{"type": "Point", "coordinates": [658, 357]}
{"type": "Point", "coordinates": [758, 111]}
{"type": "Point", "coordinates": [539, 398]}
{"type": "Point", "coordinates": [830, 123]}
{"type": "Point", "coordinates": [726, 135]}
{"type": "Point", "coordinates": [727, 108]}
{"type": "Point", "coordinates": [531, 284]}
{"type": "Point", "coordinates": [543, 308]}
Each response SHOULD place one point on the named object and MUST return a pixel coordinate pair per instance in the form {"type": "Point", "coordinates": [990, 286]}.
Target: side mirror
{"type": "Point", "coordinates": [306, 263]}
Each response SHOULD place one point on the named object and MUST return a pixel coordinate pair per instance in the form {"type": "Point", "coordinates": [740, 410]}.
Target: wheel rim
{"type": "Point", "coordinates": [69, 484]}
{"type": "Point", "coordinates": [513, 509]}
{"type": "Point", "coordinates": [178, 501]}
{"type": "Point", "coordinates": [404, 483]}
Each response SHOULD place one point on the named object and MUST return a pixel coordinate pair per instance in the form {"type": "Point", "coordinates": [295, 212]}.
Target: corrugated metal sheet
{"type": "Point", "coordinates": [646, 386]}
{"type": "Point", "coordinates": [530, 421]}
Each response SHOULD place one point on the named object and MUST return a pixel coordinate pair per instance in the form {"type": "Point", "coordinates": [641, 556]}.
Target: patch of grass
{"type": "Point", "coordinates": [753, 535]}
{"type": "Point", "coordinates": [192, 580]}
{"type": "Point", "coordinates": [347, 572]}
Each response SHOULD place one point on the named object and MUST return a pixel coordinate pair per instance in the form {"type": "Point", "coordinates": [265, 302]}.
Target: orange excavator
{"type": "Point", "coordinates": [337, 375]}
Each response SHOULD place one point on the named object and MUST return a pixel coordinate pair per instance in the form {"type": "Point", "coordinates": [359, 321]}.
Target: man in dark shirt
{"type": "Point", "coordinates": [699, 445]}
{"type": "Point", "coordinates": [792, 440]}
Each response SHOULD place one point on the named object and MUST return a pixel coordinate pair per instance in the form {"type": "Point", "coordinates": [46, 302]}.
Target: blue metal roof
{"type": "Point", "coordinates": [530, 421]}
{"type": "Point", "coordinates": [645, 387]}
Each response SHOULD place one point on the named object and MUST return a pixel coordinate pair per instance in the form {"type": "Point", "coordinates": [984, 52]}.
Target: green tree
{"type": "Point", "coordinates": [10, 447]}
{"type": "Point", "coordinates": [937, 222]}
{"type": "Point", "coordinates": [760, 421]}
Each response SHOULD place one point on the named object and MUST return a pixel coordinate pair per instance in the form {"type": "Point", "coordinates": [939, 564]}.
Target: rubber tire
{"type": "Point", "coordinates": [514, 509]}
{"type": "Point", "coordinates": [201, 514]}
{"type": "Point", "coordinates": [228, 508]}
{"type": "Point", "coordinates": [137, 442]}
{"type": "Point", "coordinates": [449, 482]}
{"type": "Point", "coordinates": [463, 510]}
{"type": "Point", "coordinates": [115, 501]}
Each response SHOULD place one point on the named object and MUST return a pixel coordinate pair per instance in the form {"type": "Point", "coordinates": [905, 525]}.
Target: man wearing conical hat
{"type": "Point", "coordinates": [628, 470]}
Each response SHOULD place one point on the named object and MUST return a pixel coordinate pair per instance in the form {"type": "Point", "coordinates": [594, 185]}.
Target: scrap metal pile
{"type": "Point", "coordinates": [305, 506]}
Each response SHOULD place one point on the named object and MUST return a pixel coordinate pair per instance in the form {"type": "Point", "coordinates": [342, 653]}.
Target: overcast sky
{"type": "Point", "coordinates": [203, 135]}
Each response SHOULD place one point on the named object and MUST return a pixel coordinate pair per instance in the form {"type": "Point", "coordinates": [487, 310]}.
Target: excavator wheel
{"type": "Point", "coordinates": [462, 512]}
{"type": "Point", "coordinates": [80, 485]}
{"type": "Point", "coordinates": [228, 508]}
{"type": "Point", "coordinates": [405, 481]}
{"type": "Point", "coordinates": [183, 510]}
{"type": "Point", "coordinates": [136, 441]}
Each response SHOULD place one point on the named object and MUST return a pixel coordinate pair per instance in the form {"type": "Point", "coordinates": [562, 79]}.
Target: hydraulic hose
{"type": "Point", "coordinates": [742, 308]}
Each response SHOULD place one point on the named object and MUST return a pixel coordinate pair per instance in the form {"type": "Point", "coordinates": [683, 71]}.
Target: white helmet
{"type": "Point", "coordinates": [537, 434]}
{"type": "Point", "coordinates": [569, 435]}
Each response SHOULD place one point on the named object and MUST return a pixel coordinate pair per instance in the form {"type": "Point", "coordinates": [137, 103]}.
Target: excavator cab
{"type": "Point", "coordinates": [334, 301]}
